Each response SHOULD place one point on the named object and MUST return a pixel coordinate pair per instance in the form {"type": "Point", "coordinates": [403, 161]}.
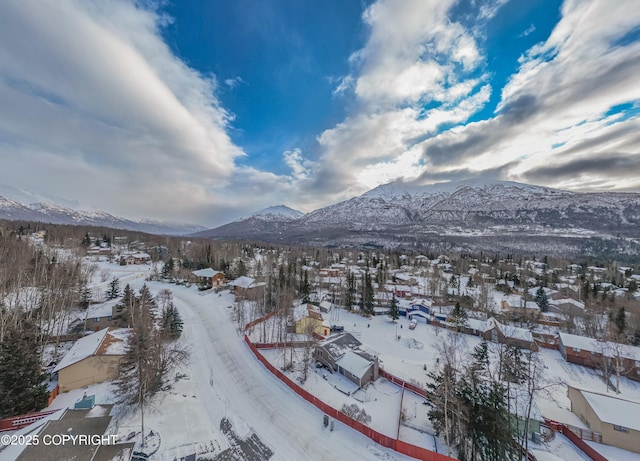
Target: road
{"type": "Point", "coordinates": [237, 386]}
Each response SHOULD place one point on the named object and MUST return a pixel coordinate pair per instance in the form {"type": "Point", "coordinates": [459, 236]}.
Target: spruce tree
{"type": "Point", "coordinates": [393, 311]}
{"type": "Point", "coordinates": [621, 320]}
{"type": "Point", "coordinates": [22, 386]}
{"type": "Point", "coordinates": [541, 300]}
{"type": "Point", "coordinates": [459, 316]}
{"type": "Point", "coordinates": [114, 289]}
{"type": "Point", "coordinates": [171, 322]}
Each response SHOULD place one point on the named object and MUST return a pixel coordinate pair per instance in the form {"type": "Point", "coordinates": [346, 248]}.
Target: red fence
{"type": "Point", "coordinates": [400, 382]}
{"type": "Point", "coordinates": [17, 422]}
{"type": "Point", "coordinates": [384, 440]}
{"type": "Point", "coordinates": [581, 444]}
{"type": "Point", "coordinates": [53, 394]}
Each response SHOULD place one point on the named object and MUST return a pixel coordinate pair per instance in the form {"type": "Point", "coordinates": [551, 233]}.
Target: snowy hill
{"type": "Point", "coordinates": [472, 214]}
{"type": "Point", "coordinates": [270, 221]}
{"type": "Point", "coordinates": [50, 211]}
{"type": "Point", "coordinates": [277, 213]}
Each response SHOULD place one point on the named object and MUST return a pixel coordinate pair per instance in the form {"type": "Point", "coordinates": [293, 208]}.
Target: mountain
{"type": "Point", "coordinates": [51, 212]}
{"type": "Point", "coordinates": [469, 215]}
{"type": "Point", "coordinates": [268, 221]}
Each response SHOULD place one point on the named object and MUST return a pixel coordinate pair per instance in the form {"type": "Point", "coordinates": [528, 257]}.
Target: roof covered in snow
{"type": "Point", "coordinates": [242, 282]}
{"type": "Point", "coordinates": [354, 364]}
{"type": "Point", "coordinates": [613, 410]}
{"type": "Point", "coordinates": [208, 272]}
{"type": "Point", "coordinates": [337, 345]}
{"type": "Point", "coordinates": [83, 348]}
{"type": "Point", "coordinates": [101, 342]}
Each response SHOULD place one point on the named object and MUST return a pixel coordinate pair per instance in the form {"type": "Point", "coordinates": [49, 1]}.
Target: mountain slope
{"type": "Point", "coordinates": [269, 221]}
{"type": "Point", "coordinates": [466, 212]}
{"type": "Point", "coordinates": [56, 214]}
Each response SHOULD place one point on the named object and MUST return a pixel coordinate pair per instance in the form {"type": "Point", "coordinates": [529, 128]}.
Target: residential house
{"type": "Point", "coordinates": [210, 277]}
{"type": "Point", "coordinates": [244, 286]}
{"type": "Point", "coordinates": [135, 257]}
{"type": "Point", "coordinates": [90, 424]}
{"type": "Point", "coordinates": [509, 334]}
{"type": "Point", "coordinates": [100, 316]}
{"type": "Point", "coordinates": [342, 353]}
{"type": "Point", "coordinates": [92, 359]}
{"type": "Point", "coordinates": [312, 322]}
{"type": "Point", "coordinates": [593, 353]}
{"type": "Point", "coordinates": [615, 418]}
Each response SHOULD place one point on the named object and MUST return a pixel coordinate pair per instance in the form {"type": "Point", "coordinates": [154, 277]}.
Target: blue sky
{"type": "Point", "coordinates": [208, 110]}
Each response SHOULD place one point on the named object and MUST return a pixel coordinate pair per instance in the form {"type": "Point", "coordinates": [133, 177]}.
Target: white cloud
{"type": "Point", "coordinates": [94, 99]}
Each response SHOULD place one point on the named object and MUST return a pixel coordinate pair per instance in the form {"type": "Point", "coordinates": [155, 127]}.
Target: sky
{"type": "Point", "coordinates": [205, 111]}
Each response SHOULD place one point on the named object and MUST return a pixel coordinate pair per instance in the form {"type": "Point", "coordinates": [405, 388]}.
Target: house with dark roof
{"type": "Point", "coordinates": [342, 353]}
{"type": "Point", "coordinates": [86, 424]}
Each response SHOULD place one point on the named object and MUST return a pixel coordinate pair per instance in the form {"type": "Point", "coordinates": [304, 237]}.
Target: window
{"type": "Point", "coordinates": [620, 429]}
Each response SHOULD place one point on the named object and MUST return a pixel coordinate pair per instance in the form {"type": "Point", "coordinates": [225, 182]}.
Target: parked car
{"type": "Point", "coordinates": [337, 328]}
{"type": "Point", "coordinates": [413, 324]}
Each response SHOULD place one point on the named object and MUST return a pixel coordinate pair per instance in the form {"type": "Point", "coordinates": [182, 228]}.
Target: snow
{"type": "Point", "coordinates": [242, 282]}
{"type": "Point", "coordinates": [354, 364]}
{"type": "Point", "coordinates": [208, 272]}
{"type": "Point", "coordinates": [224, 380]}
{"type": "Point", "coordinates": [83, 348]}
{"type": "Point", "coordinates": [101, 310]}
{"type": "Point", "coordinates": [613, 453]}
{"type": "Point", "coordinates": [614, 410]}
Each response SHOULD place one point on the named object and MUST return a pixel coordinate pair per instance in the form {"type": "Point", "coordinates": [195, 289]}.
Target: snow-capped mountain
{"type": "Point", "coordinates": [49, 211]}
{"type": "Point", "coordinates": [272, 221]}
{"type": "Point", "coordinates": [277, 213]}
{"type": "Point", "coordinates": [399, 213]}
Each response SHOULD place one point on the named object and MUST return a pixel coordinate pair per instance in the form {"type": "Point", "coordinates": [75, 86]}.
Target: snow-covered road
{"type": "Point", "coordinates": [232, 383]}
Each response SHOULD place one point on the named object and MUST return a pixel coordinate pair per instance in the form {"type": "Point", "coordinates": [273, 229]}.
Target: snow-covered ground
{"type": "Point", "coordinates": [224, 381]}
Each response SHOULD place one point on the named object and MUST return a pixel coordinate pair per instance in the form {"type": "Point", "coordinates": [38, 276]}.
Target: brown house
{"type": "Point", "coordinates": [507, 334]}
{"type": "Point", "coordinates": [100, 316]}
{"type": "Point", "coordinates": [92, 359]}
{"type": "Point", "coordinates": [246, 286]}
{"type": "Point", "coordinates": [616, 419]}
{"type": "Point", "coordinates": [592, 353]}
{"type": "Point", "coordinates": [210, 277]}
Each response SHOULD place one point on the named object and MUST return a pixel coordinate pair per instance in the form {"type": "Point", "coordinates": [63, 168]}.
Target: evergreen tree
{"type": "Point", "coordinates": [172, 324]}
{"type": "Point", "coordinates": [86, 240]}
{"type": "Point", "coordinates": [621, 320]}
{"type": "Point", "coordinates": [368, 294]}
{"type": "Point", "coordinates": [393, 311]}
{"type": "Point", "coordinates": [22, 386]}
{"type": "Point", "coordinates": [459, 317]}
{"type": "Point", "coordinates": [305, 286]}
{"type": "Point", "coordinates": [126, 307]}
{"type": "Point", "coordinates": [241, 268]}
{"type": "Point", "coordinates": [85, 296]}
{"type": "Point", "coordinates": [351, 291]}
{"type": "Point", "coordinates": [114, 289]}
{"type": "Point", "coordinates": [541, 299]}
{"type": "Point", "coordinates": [168, 268]}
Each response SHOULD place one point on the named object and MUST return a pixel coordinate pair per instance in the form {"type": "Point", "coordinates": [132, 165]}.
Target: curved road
{"type": "Point", "coordinates": [238, 386]}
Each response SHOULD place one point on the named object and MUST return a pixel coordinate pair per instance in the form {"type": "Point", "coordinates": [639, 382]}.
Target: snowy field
{"type": "Point", "coordinates": [223, 395]}
{"type": "Point", "coordinates": [223, 382]}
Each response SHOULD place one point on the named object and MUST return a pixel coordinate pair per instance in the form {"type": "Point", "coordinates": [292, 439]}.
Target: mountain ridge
{"type": "Point", "coordinates": [57, 214]}
{"type": "Point", "coordinates": [404, 213]}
